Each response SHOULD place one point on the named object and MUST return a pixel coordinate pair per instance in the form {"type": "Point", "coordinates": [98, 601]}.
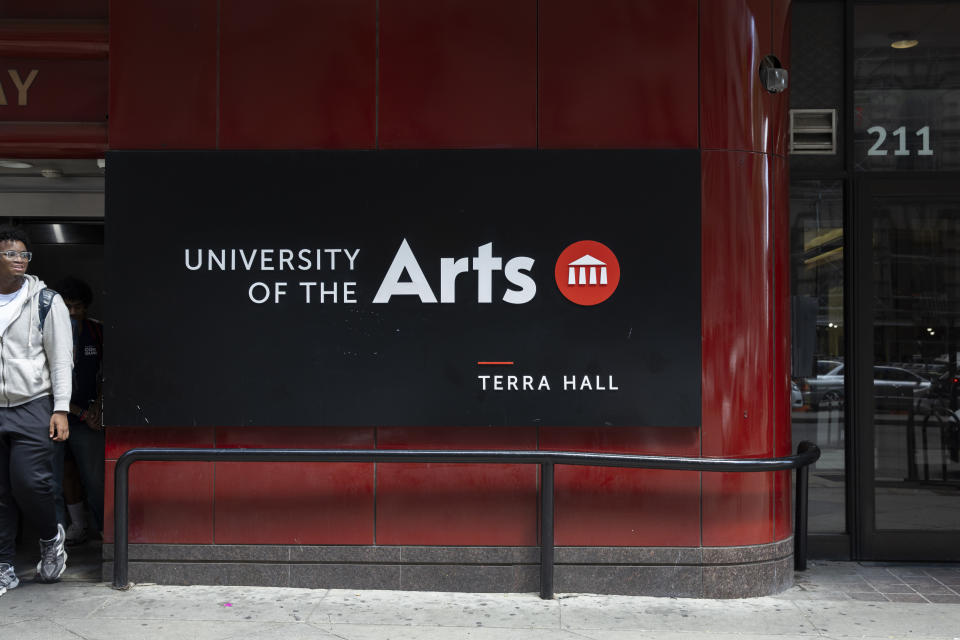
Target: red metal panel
{"type": "Point", "coordinates": [455, 504]}
{"type": "Point", "coordinates": [53, 90]}
{"type": "Point", "coordinates": [780, 215]}
{"type": "Point", "coordinates": [664, 441]}
{"type": "Point", "coordinates": [783, 505]}
{"type": "Point", "coordinates": [298, 74]}
{"type": "Point", "coordinates": [737, 305]}
{"type": "Point", "coordinates": [170, 502]}
{"type": "Point", "coordinates": [470, 438]}
{"type": "Point", "coordinates": [734, 38]}
{"type": "Point", "coordinates": [618, 73]}
{"type": "Point", "coordinates": [738, 344]}
{"type": "Point", "coordinates": [636, 507]}
{"type": "Point", "coordinates": [458, 73]}
{"type": "Point", "coordinates": [163, 74]}
{"type": "Point", "coordinates": [121, 439]}
{"type": "Point", "coordinates": [780, 103]}
{"type": "Point", "coordinates": [52, 140]}
{"type": "Point", "coordinates": [54, 9]}
{"type": "Point", "coordinates": [294, 438]}
{"type": "Point", "coordinates": [53, 80]}
{"type": "Point", "coordinates": [737, 509]}
{"type": "Point", "coordinates": [294, 503]}
{"type": "Point", "coordinates": [783, 444]}
{"type": "Point", "coordinates": [627, 507]}
{"type": "Point", "coordinates": [51, 39]}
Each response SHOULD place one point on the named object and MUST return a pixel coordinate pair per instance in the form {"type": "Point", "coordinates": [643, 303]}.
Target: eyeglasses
{"type": "Point", "coordinates": [12, 255]}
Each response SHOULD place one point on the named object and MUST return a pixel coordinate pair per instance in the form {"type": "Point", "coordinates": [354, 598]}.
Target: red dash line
{"type": "Point", "coordinates": [494, 363]}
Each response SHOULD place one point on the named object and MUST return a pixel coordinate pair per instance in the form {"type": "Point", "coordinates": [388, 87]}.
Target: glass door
{"type": "Point", "coordinates": [907, 371]}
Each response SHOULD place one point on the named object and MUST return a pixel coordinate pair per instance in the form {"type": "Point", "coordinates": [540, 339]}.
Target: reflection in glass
{"type": "Point", "coordinates": [916, 275]}
{"type": "Point", "coordinates": [907, 99]}
{"type": "Point", "coordinates": [816, 224]}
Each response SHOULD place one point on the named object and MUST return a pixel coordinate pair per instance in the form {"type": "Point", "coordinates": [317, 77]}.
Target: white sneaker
{"type": "Point", "coordinates": [8, 578]}
{"type": "Point", "coordinates": [53, 557]}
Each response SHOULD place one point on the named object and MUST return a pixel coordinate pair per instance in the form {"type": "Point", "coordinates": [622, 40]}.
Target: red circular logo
{"type": "Point", "coordinates": [587, 272]}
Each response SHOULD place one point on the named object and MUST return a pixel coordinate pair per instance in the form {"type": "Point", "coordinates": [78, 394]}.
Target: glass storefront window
{"type": "Point", "coordinates": [916, 275]}
{"type": "Point", "coordinates": [816, 223]}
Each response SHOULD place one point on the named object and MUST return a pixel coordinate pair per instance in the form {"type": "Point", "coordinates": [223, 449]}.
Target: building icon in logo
{"type": "Point", "coordinates": [579, 268]}
{"type": "Point", "coordinates": [587, 272]}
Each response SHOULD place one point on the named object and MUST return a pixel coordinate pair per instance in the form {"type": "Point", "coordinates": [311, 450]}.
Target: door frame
{"type": "Point", "coordinates": [868, 542]}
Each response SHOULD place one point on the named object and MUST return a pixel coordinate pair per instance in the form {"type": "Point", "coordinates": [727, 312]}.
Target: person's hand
{"type": "Point", "coordinates": [92, 416]}
{"type": "Point", "coordinates": [59, 426]}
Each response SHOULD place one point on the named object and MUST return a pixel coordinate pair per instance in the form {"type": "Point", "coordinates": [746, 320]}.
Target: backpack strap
{"type": "Point", "coordinates": [43, 306]}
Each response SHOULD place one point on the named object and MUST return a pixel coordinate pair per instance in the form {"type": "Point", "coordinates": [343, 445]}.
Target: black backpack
{"type": "Point", "coordinates": [43, 306]}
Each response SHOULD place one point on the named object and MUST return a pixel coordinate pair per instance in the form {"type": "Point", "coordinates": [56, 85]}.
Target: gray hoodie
{"type": "Point", "coordinates": [35, 363]}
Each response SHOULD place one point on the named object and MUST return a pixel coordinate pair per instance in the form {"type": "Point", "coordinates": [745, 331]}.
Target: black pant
{"type": "Point", "coordinates": [26, 472]}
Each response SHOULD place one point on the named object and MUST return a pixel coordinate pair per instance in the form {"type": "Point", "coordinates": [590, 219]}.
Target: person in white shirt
{"type": "Point", "coordinates": [36, 358]}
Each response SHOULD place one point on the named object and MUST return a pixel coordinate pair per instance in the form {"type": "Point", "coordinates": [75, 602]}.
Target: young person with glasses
{"type": "Point", "coordinates": [35, 386]}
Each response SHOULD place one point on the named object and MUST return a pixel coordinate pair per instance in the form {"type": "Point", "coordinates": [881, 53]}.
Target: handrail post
{"type": "Point", "coordinates": [800, 518]}
{"type": "Point", "coordinates": [546, 530]}
{"type": "Point", "coordinates": [121, 503]}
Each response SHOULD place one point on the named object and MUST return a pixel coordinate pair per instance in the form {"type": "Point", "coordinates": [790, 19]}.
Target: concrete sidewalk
{"type": "Point", "coordinates": [832, 600]}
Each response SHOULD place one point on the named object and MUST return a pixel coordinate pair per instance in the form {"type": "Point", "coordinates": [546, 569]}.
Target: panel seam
{"type": "Point", "coordinates": [216, 142]}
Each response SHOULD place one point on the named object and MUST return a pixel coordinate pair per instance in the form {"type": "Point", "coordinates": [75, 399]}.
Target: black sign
{"type": "Point", "coordinates": [374, 288]}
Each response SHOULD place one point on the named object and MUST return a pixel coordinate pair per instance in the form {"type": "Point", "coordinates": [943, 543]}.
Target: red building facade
{"type": "Point", "coordinates": [454, 74]}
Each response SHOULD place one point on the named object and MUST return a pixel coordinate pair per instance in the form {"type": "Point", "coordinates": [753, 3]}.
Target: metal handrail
{"type": "Point", "coordinates": [807, 454]}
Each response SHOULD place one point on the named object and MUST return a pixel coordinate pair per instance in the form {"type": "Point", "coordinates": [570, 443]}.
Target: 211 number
{"type": "Point", "coordinates": [901, 135]}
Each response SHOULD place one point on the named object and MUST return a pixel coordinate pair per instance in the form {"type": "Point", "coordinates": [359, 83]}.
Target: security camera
{"type": "Point", "coordinates": [773, 76]}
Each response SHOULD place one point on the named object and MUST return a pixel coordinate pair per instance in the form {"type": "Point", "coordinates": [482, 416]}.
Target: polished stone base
{"type": "Point", "coordinates": [687, 572]}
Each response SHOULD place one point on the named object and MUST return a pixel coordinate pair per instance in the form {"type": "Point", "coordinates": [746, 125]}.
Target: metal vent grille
{"type": "Point", "coordinates": [813, 132]}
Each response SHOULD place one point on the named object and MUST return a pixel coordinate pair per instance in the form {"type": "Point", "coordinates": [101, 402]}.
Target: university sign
{"type": "Point", "coordinates": [405, 276]}
{"type": "Point", "coordinates": [403, 288]}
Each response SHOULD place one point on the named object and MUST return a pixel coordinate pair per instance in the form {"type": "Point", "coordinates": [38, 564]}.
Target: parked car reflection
{"type": "Point", "coordinates": [825, 391]}
{"type": "Point", "coordinates": [898, 389]}
{"type": "Point", "coordinates": [796, 396]}
{"type": "Point", "coordinates": [894, 388]}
